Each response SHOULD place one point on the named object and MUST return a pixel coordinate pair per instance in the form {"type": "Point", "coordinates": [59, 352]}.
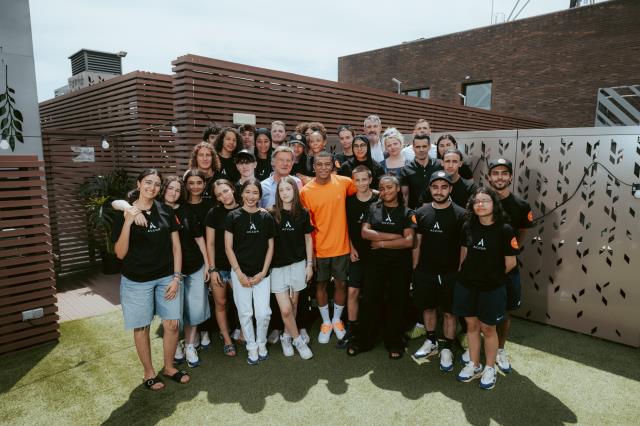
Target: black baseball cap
{"type": "Point", "coordinates": [440, 175]}
{"type": "Point", "coordinates": [297, 138]}
{"type": "Point", "coordinates": [262, 131]}
{"type": "Point", "coordinates": [245, 154]}
{"type": "Point", "coordinates": [501, 162]}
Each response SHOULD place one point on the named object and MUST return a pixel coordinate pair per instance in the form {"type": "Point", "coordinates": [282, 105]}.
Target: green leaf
{"type": "Point", "coordinates": [12, 143]}
{"type": "Point", "coordinates": [17, 114]}
{"type": "Point", "coordinates": [17, 125]}
{"type": "Point", "coordinates": [3, 123]}
{"type": "Point", "coordinates": [13, 101]}
{"type": "Point", "coordinates": [11, 90]}
{"type": "Point", "coordinates": [19, 137]}
{"type": "Point", "coordinates": [3, 97]}
{"type": "Point", "coordinates": [2, 110]}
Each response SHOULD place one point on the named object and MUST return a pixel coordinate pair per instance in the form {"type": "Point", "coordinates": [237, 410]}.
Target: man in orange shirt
{"type": "Point", "coordinates": [325, 198]}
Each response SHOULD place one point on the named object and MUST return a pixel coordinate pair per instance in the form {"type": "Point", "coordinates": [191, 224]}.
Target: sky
{"type": "Point", "coordinates": [301, 37]}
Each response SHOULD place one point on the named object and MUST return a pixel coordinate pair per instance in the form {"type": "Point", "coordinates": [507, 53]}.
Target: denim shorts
{"type": "Point", "coordinates": [225, 276]}
{"type": "Point", "coordinates": [196, 300]}
{"type": "Point", "coordinates": [141, 300]}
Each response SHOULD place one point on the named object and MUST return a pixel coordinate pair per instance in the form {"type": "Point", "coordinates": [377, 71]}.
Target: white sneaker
{"type": "Point", "coordinates": [205, 341]}
{"type": "Point", "coordinates": [428, 349]}
{"type": "Point", "coordinates": [274, 337]}
{"type": "Point", "coordinates": [252, 358]}
{"type": "Point", "coordinates": [287, 348]}
{"type": "Point", "coordinates": [446, 360]}
{"type": "Point", "coordinates": [470, 372]}
{"type": "Point", "coordinates": [263, 353]}
{"type": "Point", "coordinates": [489, 377]}
{"type": "Point", "coordinates": [465, 358]}
{"type": "Point", "coordinates": [338, 328]}
{"type": "Point", "coordinates": [325, 333]}
{"type": "Point", "coordinates": [503, 361]}
{"type": "Point", "coordinates": [178, 358]}
{"type": "Point", "coordinates": [303, 349]}
{"type": "Point", "coordinates": [305, 335]}
{"type": "Point", "coordinates": [192, 356]}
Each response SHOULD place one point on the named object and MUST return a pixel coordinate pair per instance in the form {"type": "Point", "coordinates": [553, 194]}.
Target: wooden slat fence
{"type": "Point", "coordinates": [27, 280]}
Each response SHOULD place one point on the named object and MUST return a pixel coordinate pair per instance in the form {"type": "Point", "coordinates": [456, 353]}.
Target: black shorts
{"type": "Point", "coordinates": [514, 290]}
{"type": "Point", "coordinates": [431, 291]}
{"type": "Point", "coordinates": [336, 267]}
{"type": "Point", "coordinates": [356, 274]}
{"type": "Point", "coordinates": [488, 306]}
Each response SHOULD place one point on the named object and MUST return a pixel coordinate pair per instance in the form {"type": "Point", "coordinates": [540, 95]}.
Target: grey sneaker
{"type": "Point", "coordinates": [192, 356]}
{"type": "Point", "coordinates": [446, 360]}
{"type": "Point", "coordinates": [274, 336]}
{"type": "Point", "coordinates": [263, 354]}
{"type": "Point", "coordinates": [287, 348]}
{"type": "Point", "coordinates": [303, 349]}
{"type": "Point", "coordinates": [465, 358]}
{"type": "Point", "coordinates": [503, 361]}
{"type": "Point", "coordinates": [252, 358]}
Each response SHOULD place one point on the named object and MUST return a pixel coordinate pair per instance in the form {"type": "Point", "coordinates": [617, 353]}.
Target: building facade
{"type": "Point", "coordinates": [547, 67]}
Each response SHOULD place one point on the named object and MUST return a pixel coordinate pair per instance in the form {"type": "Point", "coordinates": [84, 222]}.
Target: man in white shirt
{"type": "Point", "coordinates": [372, 129]}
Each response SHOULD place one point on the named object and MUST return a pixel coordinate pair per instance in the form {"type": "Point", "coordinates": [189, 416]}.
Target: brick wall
{"type": "Point", "coordinates": [547, 67]}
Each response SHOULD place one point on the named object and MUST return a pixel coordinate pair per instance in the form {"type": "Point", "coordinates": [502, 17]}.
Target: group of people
{"type": "Point", "coordinates": [401, 233]}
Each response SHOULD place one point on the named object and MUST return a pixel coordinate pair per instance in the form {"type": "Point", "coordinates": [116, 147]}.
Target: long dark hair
{"type": "Point", "coordinates": [369, 160]}
{"type": "Point", "coordinates": [499, 215]}
{"type": "Point", "coordinates": [220, 182]}
{"type": "Point", "coordinates": [194, 172]}
{"type": "Point", "coordinates": [251, 181]}
{"type": "Point", "coordinates": [441, 138]}
{"type": "Point", "coordinates": [165, 184]}
{"type": "Point", "coordinates": [296, 204]}
{"type": "Point", "coordinates": [134, 194]}
{"type": "Point", "coordinates": [220, 140]}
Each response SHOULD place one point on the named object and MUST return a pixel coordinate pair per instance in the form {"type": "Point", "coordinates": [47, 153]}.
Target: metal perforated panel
{"type": "Point", "coordinates": [580, 263]}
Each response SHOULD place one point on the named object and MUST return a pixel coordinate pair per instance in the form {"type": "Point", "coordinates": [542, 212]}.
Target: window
{"type": "Point", "coordinates": [418, 93]}
{"type": "Point", "coordinates": [477, 95]}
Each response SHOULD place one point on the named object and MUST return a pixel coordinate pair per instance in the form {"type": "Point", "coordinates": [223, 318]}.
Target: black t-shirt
{"type": "Point", "coordinates": [150, 254]}
{"type": "Point", "coordinates": [251, 234]}
{"type": "Point", "coordinates": [356, 212]}
{"type": "Point", "coordinates": [263, 168]}
{"type": "Point", "coordinates": [465, 171]}
{"type": "Point", "coordinates": [228, 169]}
{"type": "Point", "coordinates": [518, 212]}
{"type": "Point", "coordinates": [346, 169]}
{"type": "Point", "coordinates": [393, 220]}
{"type": "Point", "coordinates": [487, 246]}
{"type": "Point", "coordinates": [216, 220]}
{"type": "Point", "coordinates": [416, 177]}
{"type": "Point", "coordinates": [461, 191]}
{"type": "Point", "coordinates": [440, 229]}
{"type": "Point", "coordinates": [289, 241]}
{"type": "Point", "coordinates": [201, 209]}
{"type": "Point", "coordinates": [341, 158]}
{"type": "Point", "coordinates": [305, 166]}
{"type": "Point", "coordinates": [189, 228]}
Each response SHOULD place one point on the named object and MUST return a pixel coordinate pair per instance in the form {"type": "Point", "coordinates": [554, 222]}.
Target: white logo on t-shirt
{"type": "Point", "coordinates": [252, 229]}
{"type": "Point", "coordinates": [287, 226]}
{"type": "Point", "coordinates": [361, 218]}
{"type": "Point", "coordinates": [436, 228]}
{"type": "Point", "coordinates": [480, 245]}
{"type": "Point", "coordinates": [152, 227]}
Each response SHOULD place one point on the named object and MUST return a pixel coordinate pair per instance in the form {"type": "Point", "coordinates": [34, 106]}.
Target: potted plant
{"type": "Point", "coordinates": [97, 193]}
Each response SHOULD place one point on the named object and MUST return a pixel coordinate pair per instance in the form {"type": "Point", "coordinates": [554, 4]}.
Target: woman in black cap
{"type": "Point", "coordinates": [263, 153]}
{"type": "Point", "coordinates": [362, 156]}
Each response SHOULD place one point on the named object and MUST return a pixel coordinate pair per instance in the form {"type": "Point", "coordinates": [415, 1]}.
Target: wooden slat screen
{"type": "Point", "coordinates": [208, 89]}
{"type": "Point", "coordinates": [27, 279]}
{"type": "Point", "coordinates": [126, 106]}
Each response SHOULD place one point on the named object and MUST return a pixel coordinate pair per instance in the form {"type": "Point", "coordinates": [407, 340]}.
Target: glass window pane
{"type": "Point", "coordinates": [425, 93]}
{"type": "Point", "coordinates": [478, 95]}
{"type": "Point", "coordinates": [412, 92]}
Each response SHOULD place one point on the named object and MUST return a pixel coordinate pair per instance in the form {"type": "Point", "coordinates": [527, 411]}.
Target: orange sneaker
{"type": "Point", "coordinates": [338, 328]}
{"type": "Point", "coordinates": [325, 333]}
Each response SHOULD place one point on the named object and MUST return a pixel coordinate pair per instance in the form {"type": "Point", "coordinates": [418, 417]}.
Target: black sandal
{"type": "Point", "coordinates": [149, 383]}
{"type": "Point", "coordinates": [178, 375]}
{"type": "Point", "coordinates": [353, 349]}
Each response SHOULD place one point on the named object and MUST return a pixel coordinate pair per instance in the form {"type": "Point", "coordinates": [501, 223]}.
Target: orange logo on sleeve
{"type": "Point", "coordinates": [514, 243]}
{"type": "Point", "coordinates": [530, 216]}
{"type": "Point", "coordinates": [413, 218]}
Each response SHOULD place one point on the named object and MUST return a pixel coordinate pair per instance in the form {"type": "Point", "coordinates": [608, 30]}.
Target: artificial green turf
{"type": "Point", "coordinates": [93, 376]}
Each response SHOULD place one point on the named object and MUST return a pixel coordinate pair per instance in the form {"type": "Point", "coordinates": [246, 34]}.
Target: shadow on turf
{"type": "Point", "coordinates": [515, 400]}
{"type": "Point", "coordinates": [15, 368]}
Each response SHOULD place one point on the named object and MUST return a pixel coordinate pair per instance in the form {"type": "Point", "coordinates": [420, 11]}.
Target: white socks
{"type": "Point", "coordinates": [337, 312]}
{"type": "Point", "coordinates": [324, 313]}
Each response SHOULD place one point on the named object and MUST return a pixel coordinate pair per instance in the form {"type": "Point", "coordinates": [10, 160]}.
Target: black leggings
{"type": "Point", "coordinates": [386, 289]}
